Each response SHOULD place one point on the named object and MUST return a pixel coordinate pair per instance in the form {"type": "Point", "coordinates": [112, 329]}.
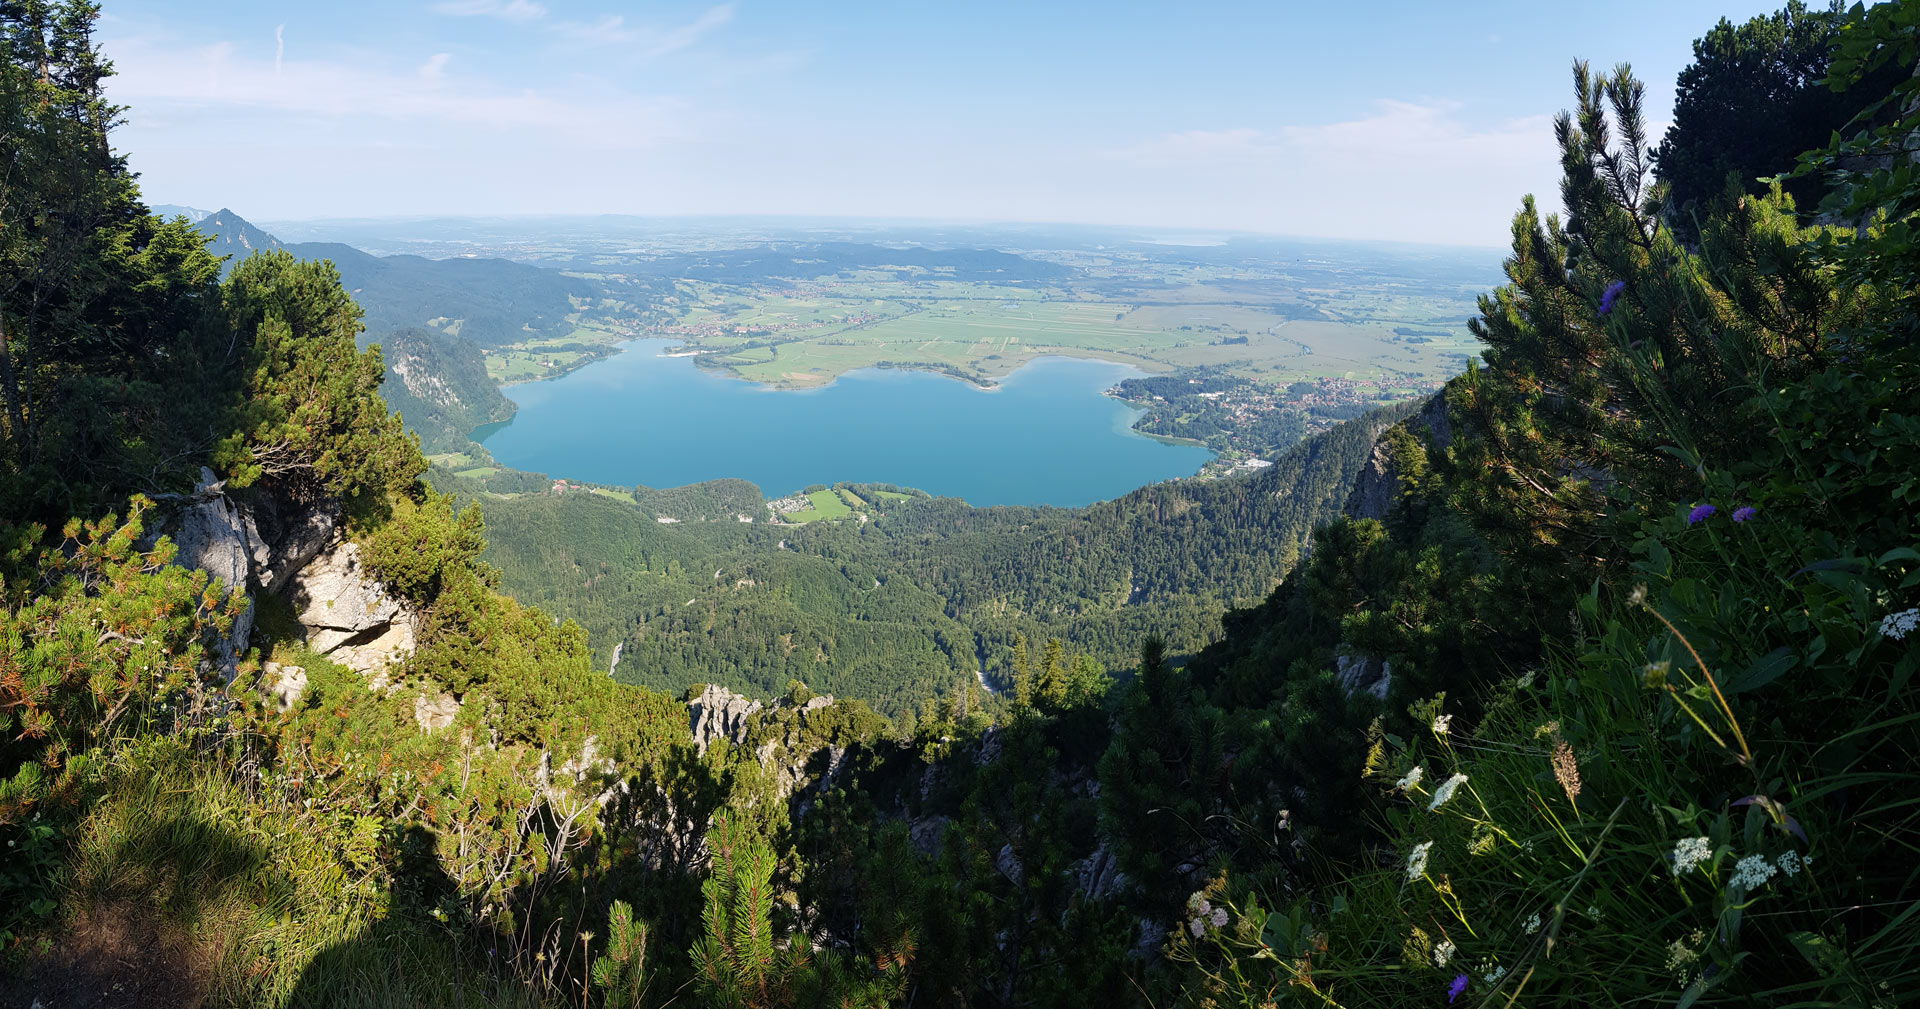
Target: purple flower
{"type": "Point", "coordinates": [1613, 291]}
{"type": "Point", "coordinates": [1453, 990]}
{"type": "Point", "coordinates": [1743, 513]}
{"type": "Point", "coordinates": [1700, 513]}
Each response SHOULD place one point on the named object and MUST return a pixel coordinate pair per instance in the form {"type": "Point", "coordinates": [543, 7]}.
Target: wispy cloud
{"type": "Point", "coordinates": [279, 47]}
{"type": "Point", "coordinates": [506, 10]}
{"type": "Point", "coordinates": [646, 42]}
{"type": "Point", "coordinates": [161, 79]}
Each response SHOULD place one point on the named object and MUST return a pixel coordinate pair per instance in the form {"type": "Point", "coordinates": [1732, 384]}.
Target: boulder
{"type": "Point", "coordinates": [435, 714]}
{"type": "Point", "coordinates": [349, 616]}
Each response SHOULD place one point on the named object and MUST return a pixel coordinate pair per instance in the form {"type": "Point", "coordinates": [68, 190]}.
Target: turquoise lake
{"type": "Point", "coordinates": [1046, 435]}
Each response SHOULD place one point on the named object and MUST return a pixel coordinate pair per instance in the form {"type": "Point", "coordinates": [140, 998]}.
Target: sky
{"type": "Point", "coordinates": [1385, 120]}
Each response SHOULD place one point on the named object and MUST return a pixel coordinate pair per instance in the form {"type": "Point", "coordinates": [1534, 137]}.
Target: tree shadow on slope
{"type": "Point", "coordinates": [407, 957]}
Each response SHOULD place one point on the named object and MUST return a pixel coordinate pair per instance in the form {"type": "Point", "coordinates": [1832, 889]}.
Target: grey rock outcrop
{"type": "Point", "coordinates": [719, 713]}
{"type": "Point", "coordinates": [1377, 486]}
{"type": "Point", "coordinates": [1363, 674]}
{"type": "Point", "coordinates": [350, 617]}
{"type": "Point", "coordinates": [211, 533]}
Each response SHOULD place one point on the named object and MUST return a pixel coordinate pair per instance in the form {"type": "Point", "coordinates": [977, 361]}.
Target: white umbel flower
{"type": "Point", "coordinates": [1417, 861]}
{"type": "Point", "coordinates": [1689, 853]}
{"type": "Point", "coordinates": [1752, 872]}
{"type": "Point", "coordinates": [1898, 625]}
{"type": "Point", "coordinates": [1790, 862]}
{"type": "Point", "coordinates": [1533, 923]}
{"type": "Point", "coordinates": [1444, 952]}
{"type": "Point", "coordinates": [1412, 778]}
{"type": "Point", "coordinates": [1441, 724]}
{"type": "Point", "coordinates": [1445, 791]}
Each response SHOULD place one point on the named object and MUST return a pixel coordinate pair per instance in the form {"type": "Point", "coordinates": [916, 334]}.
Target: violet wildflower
{"type": "Point", "coordinates": [1700, 513]}
{"type": "Point", "coordinates": [1743, 513]}
{"type": "Point", "coordinates": [1607, 296]}
{"type": "Point", "coordinates": [1453, 990]}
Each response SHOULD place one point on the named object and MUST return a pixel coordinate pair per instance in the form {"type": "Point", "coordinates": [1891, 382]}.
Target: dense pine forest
{"type": "Point", "coordinates": [1589, 680]}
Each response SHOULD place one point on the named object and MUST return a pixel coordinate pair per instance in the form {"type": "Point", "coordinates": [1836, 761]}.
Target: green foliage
{"type": "Point", "coordinates": [313, 421]}
{"type": "Point", "coordinates": [735, 963]}
{"type": "Point", "coordinates": [98, 636]}
{"type": "Point", "coordinates": [618, 973]}
{"type": "Point", "coordinates": [1750, 102]}
{"type": "Point", "coordinates": [1628, 817]}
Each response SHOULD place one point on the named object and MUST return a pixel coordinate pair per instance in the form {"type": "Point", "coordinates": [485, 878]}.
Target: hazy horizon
{"type": "Point", "coordinates": [1402, 124]}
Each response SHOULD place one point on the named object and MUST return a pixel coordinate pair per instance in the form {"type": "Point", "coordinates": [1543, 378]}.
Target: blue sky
{"type": "Point", "coordinates": [1384, 120]}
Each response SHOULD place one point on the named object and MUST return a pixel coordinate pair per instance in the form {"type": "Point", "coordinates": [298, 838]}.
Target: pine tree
{"type": "Point", "coordinates": [1022, 674]}
{"type": "Point", "coordinates": [1053, 675]}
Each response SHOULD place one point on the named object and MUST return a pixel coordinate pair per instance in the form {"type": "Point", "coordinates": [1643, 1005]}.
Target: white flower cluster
{"type": "Point", "coordinates": [1533, 923]}
{"type": "Point", "coordinates": [1445, 791]}
{"type": "Point", "coordinates": [1689, 853]}
{"type": "Point", "coordinates": [1412, 778]}
{"type": "Point", "coordinates": [1417, 861]}
{"type": "Point", "coordinates": [1441, 724]}
{"type": "Point", "coordinates": [1493, 976]}
{"type": "Point", "coordinates": [1898, 625]}
{"type": "Point", "coordinates": [1444, 952]}
{"type": "Point", "coordinates": [1751, 872]}
{"type": "Point", "coordinates": [1790, 863]}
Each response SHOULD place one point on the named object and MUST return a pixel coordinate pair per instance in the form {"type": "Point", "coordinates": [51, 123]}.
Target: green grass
{"type": "Point", "coordinates": [180, 879]}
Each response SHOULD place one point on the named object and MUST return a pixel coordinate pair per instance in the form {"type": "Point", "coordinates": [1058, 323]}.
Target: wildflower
{"type": "Point", "coordinates": [1751, 872]}
{"type": "Point", "coordinates": [1417, 861]}
{"type": "Point", "coordinates": [1654, 674]}
{"type": "Point", "coordinates": [1443, 952]}
{"type": "Point", "coordinates": [1219, 918]}
{"type": "Point", "coordinates": [1898, 625]}
{"type": "Point", "coordinates": [1638, 597]}
{"type": "Point", "coordinates": [1690, 853]}
{"type": "Point", "coordinates": [1493, 976]}
{"type": "Point", "coordinates": [1412, 778]}
{"type": "Point", "coordinates": [1453, 990]}
{"type": "Point", "coordinates": [1680, 959]}
{"type": "Point", "coordinates": [1700, 513]}
{"type": "Point", "coordinates": [1441, 724]}
{"type": "Point", "coordinates": [1445, 791]}
{"type": "Point", "coordinates": [1593, 911]}
{"type": "Point", "coordinates": [1197, 926]}
{"type": "Point", "coordinates": [1197, 902]}
{"type": "Point", "coordinates": [1789, 863]}
{"type": "Point", "coordinates": [1533, 923]}
{"type": "Point", "coordinates": [1743, 513]}
{"type": "Point", "coordinates": [1612, 292]}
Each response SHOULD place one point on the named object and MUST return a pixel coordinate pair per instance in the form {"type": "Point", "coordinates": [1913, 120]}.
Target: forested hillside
{"type": "Point", "coordinates": [1600, 691]}
{"type": "Point", "coordinates": [924, 598]}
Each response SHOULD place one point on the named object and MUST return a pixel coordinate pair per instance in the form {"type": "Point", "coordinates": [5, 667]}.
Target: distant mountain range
{"type": "Point", "coordinates": [487, 301]}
